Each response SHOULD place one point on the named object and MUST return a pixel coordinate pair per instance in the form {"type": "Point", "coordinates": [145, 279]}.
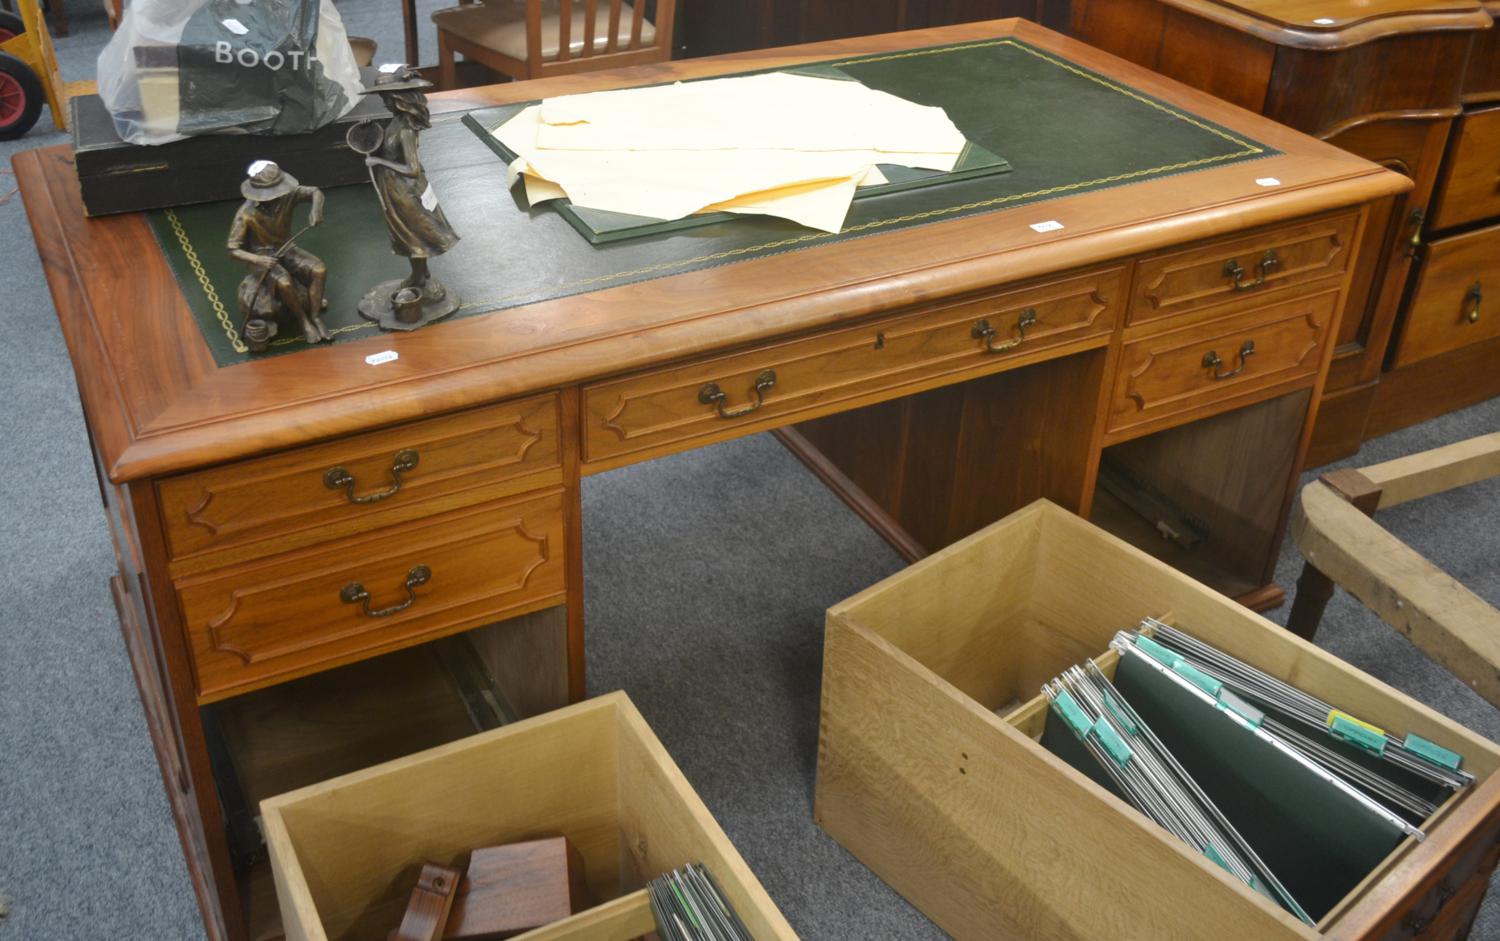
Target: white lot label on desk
{"type": "Point", "coordinates": [375, 359]}
{"type": "Point", "coordinates": [1268, 181]}
{"type": "Point", "coordinates": [1051, 225]}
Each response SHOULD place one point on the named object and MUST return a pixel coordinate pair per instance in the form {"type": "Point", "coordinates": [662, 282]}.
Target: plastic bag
{"type": "Point", "coordinates": [177, 68]}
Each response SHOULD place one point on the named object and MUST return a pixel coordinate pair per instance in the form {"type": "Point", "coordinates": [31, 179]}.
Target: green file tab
{"type": "Point", "coordinates": [1369, 737]}
{"type": "Point", "coordinates": [1432, 751]}
{"type": "Point", "coordinates": [1197, 677]}
{"type": "Point", "coordinates": [1112, 742]}
{"type": "Point", "coordinates": [1072, 713]}
{"type": "Point", "coordinates": [1156, 651]}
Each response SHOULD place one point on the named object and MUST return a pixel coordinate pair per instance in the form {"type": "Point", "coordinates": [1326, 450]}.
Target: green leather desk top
{"type": "Point", "coordinates": [1064, 130]}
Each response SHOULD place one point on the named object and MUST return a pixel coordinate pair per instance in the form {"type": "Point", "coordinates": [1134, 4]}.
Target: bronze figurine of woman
{"type": "Point", "coordinates": [419, 230]}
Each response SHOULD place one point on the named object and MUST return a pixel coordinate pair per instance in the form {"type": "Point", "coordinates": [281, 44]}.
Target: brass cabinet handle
{"type": "Point", "coordinates": [1212, 361]}
{"type": "Point", "coordinates": [1471, 303]}
{"type": "Point", "coordinates": [983, 331]}
{"type": "Point", "coordinates": [1415, 220]}
{"type": "Point", "coordinates": [336, 478]}
{"type": "Point", "coordinates": [355, 593]}
{"type": "Point", "coordinates": [1236, 273]}
{"type": "Point", "coordinates": [711, 394]}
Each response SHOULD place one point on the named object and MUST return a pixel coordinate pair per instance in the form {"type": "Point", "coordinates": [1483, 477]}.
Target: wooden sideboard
{"type": "Point", "coordinates": [1411, 84]}
{"type": "Point", "coordinates": [1167, 340]}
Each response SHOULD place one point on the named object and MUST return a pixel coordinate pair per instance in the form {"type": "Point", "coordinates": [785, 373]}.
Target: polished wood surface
{"type": "Point", "coordinates": [1471, 190]}
{"type": "Point", "coordinates": [285, 500]}
{"type": "Point", "coordinates": [250, 625]}
{"type": "Point", "coordinates": [886, 358]}
{"type": "Point", "coordinates": [1386, 80]}
{"type": "Point", "coordinates": [926, 742]}
{"type": "Point", "coordinates": [1171, 285]}
{"type": "Point", "coordinates": [1448, 309]}
{"type": "Point", "coordinates": [508, 411]}
{"type": "Point", "coordinates": [1251, 355]}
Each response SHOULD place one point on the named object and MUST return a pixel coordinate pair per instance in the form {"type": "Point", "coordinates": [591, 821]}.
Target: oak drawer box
{"type": "Point", "coordinates": [1224, 359]}
{"type": "Point", "coordinates": [1471, 190]}
{"type": "Point", "coordinates": [356, 483]}
{"type": "Point", "coordinates": [296, 613]}
{"type": "Point", "coordinates": [1174, 283]}
{"type": "Point", "coordinates": [881, 359]}
{"type": "Point", "coordinates": [345, 853]}
{"type": "Point", "coordinates": [1448, 308]}
{"type": "Point", "coordinates": [930, 772]}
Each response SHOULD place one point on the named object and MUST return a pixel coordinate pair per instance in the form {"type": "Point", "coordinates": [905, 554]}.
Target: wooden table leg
{"type": "Point", "coordinates": [1314, 589]}
{"type": "Point", "coordinates": [409, 24]}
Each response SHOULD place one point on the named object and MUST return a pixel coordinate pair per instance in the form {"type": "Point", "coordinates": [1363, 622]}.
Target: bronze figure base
{"type": "Point", "coordinates": [384, 304]}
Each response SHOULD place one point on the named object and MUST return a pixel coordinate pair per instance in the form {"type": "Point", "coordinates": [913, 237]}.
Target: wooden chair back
{"type": "Point", "coordinates": [625, 43]}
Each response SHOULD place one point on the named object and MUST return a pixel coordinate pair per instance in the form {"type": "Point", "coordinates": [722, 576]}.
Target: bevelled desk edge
{"type": "Point", "coordinates": [138, 442]}
{"type": "Point", "coordinates": [1464, 16]}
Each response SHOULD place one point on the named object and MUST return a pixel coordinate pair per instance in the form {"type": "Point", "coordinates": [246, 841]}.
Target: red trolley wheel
{"type": "Point", "coordinates": [20, 97]}
{"type": "Point", "coordinates": [11, 26]}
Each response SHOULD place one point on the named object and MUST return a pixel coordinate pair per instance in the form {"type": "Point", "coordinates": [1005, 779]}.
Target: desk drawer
{"type": "Point", "coordinates": [880, 359]}
{"type": "Point", "coordinates": [1449, 309]}
{"type": "Point", "coordinates": [299, 497]}
{"type": "Point", "coordinates": [1471, 190]}
{"type": "Point", "coordinates": [1174, 283]}
{"type": "Point", "coordinates": [310, 610]}
{"type": "Point", "coordinates": [1226, 359]}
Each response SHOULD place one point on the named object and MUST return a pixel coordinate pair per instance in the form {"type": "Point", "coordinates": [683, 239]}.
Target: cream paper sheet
{"type": "Point", "coordinates": [786, 145]}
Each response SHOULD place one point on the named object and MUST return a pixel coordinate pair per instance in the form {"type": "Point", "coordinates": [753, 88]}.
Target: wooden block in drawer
{"type": "Point", "coordinates": [290, 615]}
{"type": "Point", "coordinates": [284, 500]}
{"type": "Point", "coordinates": [1449, 308]}
{"type": "Point", "coordinates": [345, 852]}
{"type": "Point", "coordinates": [1471, 189]}
{"type": "Point", "coordinates": [1170, 373]}
{"type": "Point", "coordinates": [877, 360]}
{"type": "Point", "coordinates": [1174, 283]}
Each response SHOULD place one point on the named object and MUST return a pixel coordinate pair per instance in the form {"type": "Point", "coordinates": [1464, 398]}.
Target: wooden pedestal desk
{"type": "Point", "coordinates": [1413, 85]}
{"type": "Point", "coordinates": [941, 375]}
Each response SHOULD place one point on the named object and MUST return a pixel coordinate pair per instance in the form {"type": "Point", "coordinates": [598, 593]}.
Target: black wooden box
{"type": "Point", "coordinates": [120, 177]}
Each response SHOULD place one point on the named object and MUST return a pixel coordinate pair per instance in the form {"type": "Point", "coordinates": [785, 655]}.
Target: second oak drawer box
{"type": "Point", "coordinates": [319, 492]}
{"type": "Point", "coordinates": [305, 611]}
{"type": "Point", "coordinates": [881, 358]}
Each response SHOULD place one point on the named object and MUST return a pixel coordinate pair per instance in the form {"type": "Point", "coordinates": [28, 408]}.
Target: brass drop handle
{"type": "Point", "coordinates": [1212, 361]}
{"type": "Point", "coordinates": [1471, 303]}
{"type": "Point", "coordinates": [711, 394]}
{"type": "Point", "coordinates": [337, 478]}
{"type": "Point", "coordinates": [1416, 219]}
{"type": "Point", "coordinates": [355, 593]}
{"type": "Point", "coordinates": [1234, 271]}
{"type": "Point", "coordinates": [983, 331]}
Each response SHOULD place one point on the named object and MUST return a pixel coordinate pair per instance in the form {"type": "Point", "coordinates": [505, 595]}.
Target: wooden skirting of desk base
{"type": "Point", "coordinates": [1402, 398]}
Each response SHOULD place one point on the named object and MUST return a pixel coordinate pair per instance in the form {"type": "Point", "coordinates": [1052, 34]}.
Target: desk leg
{"type": "Point", "coordinates": [572, 438]}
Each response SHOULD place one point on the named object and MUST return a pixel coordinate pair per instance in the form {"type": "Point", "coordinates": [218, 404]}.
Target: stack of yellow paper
{"type": "Point", "coordinates": [794, 146]}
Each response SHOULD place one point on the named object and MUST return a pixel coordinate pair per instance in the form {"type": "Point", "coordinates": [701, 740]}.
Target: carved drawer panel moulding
{"type": "Point", "coordinates": [880, 359]}
{"type": "Point", "coordinates": [396, 586]}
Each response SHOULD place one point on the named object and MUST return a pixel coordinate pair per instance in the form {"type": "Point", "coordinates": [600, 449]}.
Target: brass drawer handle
{"type": "Point", "coordinates": [355, 593]}
{"type": "Point", "coordinates": [336, 478]}
{"type": "Point", "coordinates": [711, 394]}
{"type": "Point", "coordinates": [983, 331]}
{"type": "Point", "coordinates": [1471, 303]}
{"type": "Point", "coordinates": [1234, 271]}
{"type": "Point", "coordinates": [1212, 361]}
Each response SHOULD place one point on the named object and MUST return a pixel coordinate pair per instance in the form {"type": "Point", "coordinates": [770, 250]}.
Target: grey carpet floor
{"type": "Point", "coordinates": [708, 574]}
